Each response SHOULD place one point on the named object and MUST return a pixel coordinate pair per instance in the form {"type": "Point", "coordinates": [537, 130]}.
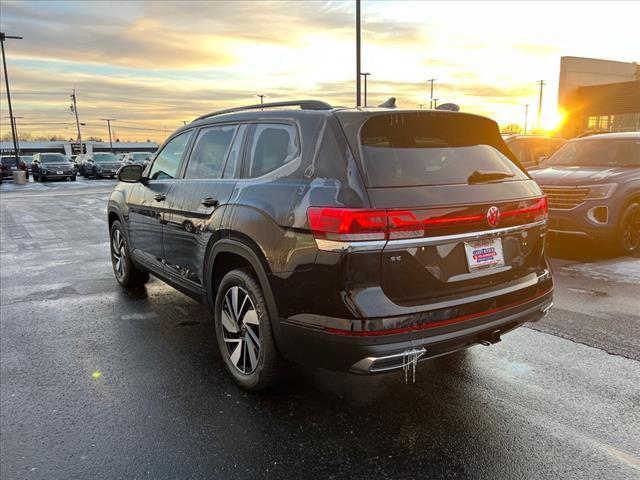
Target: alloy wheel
{"type": "Point", "coordinates": [118, 254]}
{"type": "Point", "coordinates": [241, 330]}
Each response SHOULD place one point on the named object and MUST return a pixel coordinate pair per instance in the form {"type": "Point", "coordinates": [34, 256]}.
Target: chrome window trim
{"type": "Point", "coordinates": [401, 244]}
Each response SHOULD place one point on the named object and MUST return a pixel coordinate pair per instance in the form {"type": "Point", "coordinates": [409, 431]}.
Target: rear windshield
{"type": "Point", "coordinates": [415, 148]}
{"type": "Point", "coordinates": [53, 158]}
{"type": "Point", "coordinates": [601, 153]}
{"type": "Point", "coordinates": [105, 157]}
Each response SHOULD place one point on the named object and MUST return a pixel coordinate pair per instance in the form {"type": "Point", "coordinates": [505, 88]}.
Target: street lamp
{"type": "Point", "coordinates": [3, 37]}
{"type": "Point", "coordinates": [365, 75]}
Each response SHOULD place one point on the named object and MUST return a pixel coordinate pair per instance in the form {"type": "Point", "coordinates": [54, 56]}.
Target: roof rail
{"type": "Point", "coordinates": [303, 104]}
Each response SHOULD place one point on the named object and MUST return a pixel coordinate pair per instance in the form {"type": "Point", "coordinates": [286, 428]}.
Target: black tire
{"type": "Point", "coordinates": [72, 178]}
{"type": "Point", "coordinates": [628, 235]}
{"type": "Point", "coordinates": [265, 367]}
{"type": "Point", "coordinates": [126, 273]}
{"type": "Point", "coordinates": [41, 178]}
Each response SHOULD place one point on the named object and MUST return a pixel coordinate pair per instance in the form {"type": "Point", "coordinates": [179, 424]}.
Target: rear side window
{"type": "Point", "coordinates": [272, 146]}
{"type": "Point", "coordinates": [413, 149]}
{"type": "Point", "coordinates": [210, 152]}
{"type": "Point", "coordinates": [167, 162]}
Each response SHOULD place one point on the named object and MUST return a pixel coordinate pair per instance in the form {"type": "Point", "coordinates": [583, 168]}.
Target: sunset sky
{"type": "Point", "coordinates": [151, 65]}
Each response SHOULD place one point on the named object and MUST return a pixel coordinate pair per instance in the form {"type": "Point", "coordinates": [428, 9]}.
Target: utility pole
{"type": "Point", "coordinates": [74, 109]}
{"type": "Point", "coordinates": [3, 37]}
{"type": "Point", "coordinates": [365, 75]}
{"type": "Point", "coordinates": [261, 95]}
{"type": "Point", "coordinates": [184, 122]}
{"type": "Point", "coordinates": [109, 120]}
{"type": "Point", "coordinates": [542, 83]}
{"type": "Point", "coordinates": [420, 105]}
{"type": "Point", "coordinates": [358, 102]}
{"type": "Point", "coordinates": [431, 80]}
{"type": "Point", "coordinates": [526, 117]}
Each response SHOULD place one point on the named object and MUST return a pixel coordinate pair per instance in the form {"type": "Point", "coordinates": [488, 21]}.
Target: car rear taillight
{"type": "Point", "coordinates": [359, 225]}
{"type": "Point", "coordinates": [347, 224]}
{"type": "Point", "coordinates": [536, 211]}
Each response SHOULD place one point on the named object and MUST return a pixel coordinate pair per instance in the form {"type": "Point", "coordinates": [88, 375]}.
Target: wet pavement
{"type": "Point", "coordinates": [99, 383]}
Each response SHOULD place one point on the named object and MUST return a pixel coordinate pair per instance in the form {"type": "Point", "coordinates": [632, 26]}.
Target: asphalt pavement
{"type": "Point", "coordinates": [96, 382]}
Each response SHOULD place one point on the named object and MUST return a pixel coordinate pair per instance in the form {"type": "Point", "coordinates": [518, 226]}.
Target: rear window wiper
{"type": "Point", "coordinates": [481, 177]}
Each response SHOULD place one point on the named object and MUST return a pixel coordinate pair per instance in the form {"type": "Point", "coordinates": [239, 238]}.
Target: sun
{"type": "Point", "coordinates": [552, 120]}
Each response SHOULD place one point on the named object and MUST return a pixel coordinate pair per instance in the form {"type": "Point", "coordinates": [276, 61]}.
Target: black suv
{"type": "Point", "coordinates": [351, 239]}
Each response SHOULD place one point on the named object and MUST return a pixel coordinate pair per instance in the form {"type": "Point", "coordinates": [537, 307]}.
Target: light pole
{"type": "Point", "coordinates": [14, 125]}
{"type": "Point", "coordinates": [358, 101]}
{"type": "Point", "coordinates": [261, 95]}
{"type": "Point", "coordinates": [3, 37]}
{"type": "Point", "coordinates": [542, 84]}
{"type": "Point", "coordinates": [365, 75]}
{"type": "Point", "coordinates": [109, 120]}
{"type": "Point", "coordinates": [526, 117]}
{"type": "Point", "coordinates": [435, 102]}
{"type": "Point", "coordinates": [420, 105]}
{"type": "Point", "coordinates": [431, 80]}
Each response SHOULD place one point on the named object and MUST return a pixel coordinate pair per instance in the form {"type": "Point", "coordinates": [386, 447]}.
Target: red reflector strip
{"type": "Point", "coordinates": [426, 326]}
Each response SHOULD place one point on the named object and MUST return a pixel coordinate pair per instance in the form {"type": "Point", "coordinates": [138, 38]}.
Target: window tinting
{"type": "Point", "coordinates": [166, 163]}
{"type": "Point", "coordinates": [411, 149]}
{"type": "Point", "coordinates": [210, 152]}
{"type": "Point", "coordinates": [273, 145]}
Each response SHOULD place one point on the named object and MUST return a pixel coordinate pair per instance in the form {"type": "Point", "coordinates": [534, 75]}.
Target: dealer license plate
{"type": "Point", "coordinates": [484, 254]}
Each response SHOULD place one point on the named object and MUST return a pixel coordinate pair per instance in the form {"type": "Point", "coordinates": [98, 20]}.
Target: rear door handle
{"type": "Point", "coordinates": [160, 197]}
{"type": "Point", "coordinates": [209, 202]}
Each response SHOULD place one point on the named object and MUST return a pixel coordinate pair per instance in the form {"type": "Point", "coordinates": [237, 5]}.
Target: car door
{"type": "Point", "coordinates": [196, 203]}
{"type": "Point", "coordinates": [147, 202]}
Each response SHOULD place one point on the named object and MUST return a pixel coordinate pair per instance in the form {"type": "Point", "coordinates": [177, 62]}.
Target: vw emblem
{"type": "Point", "coordinates": [493, 216]}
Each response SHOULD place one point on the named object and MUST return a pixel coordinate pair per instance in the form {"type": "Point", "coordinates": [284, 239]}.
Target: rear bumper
{"type": "Point", "coordinates": [369, 352]}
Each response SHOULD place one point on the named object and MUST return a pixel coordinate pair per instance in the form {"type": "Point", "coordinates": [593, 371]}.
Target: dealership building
{"type": "Point", "coordinates": [598, 96]}
{"type": "Point", "coordinates": [73, 148]}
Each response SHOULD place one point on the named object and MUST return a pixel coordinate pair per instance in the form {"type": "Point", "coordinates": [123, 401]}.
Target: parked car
{"type": "Point", "coordinates": [50, 166]}
{"type": "Point", "coordinates": [530, 150]}
{"type": "Point", "coordinates": [99, 165]}
{"type": "Point", "coordinates": [141, 158]}
{"type": "Point", "coordinates": [593, 187]}
{"type": "Point", "coordinates": [351, 239]}
{"type": "Point", "coordinates": [10, 163]}
{"type": "Point", "coordinates": [27, 159]}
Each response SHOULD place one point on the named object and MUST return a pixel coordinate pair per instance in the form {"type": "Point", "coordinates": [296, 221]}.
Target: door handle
{"type": "Point", "coordinates": [160, 197]}
{"type": "Point", "coordinates": [209, 202]}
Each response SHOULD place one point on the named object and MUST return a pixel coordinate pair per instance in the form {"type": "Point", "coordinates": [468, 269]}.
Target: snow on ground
{"type": "Point", "coordinates": [620, 270]}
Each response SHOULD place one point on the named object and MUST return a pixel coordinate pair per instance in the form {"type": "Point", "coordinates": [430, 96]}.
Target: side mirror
{"type": "Point", "coordinates": [130, 173]}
